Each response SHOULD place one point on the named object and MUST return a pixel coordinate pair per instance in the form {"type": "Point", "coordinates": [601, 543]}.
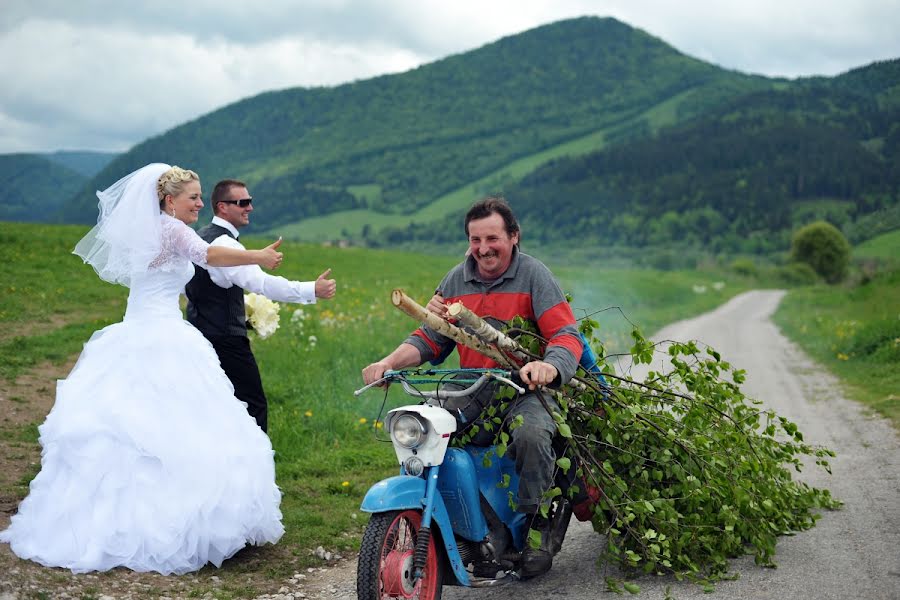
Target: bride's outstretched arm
{"type": "Point", "coordinates": [222, 256]}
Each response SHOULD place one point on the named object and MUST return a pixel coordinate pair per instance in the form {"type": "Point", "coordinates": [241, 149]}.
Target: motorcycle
{"type": "Point", "coordinates": [448, 518]}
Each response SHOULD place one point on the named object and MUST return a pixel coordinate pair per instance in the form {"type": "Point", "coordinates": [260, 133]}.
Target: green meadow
{"type": "Point", "coordinates": [328, 443]}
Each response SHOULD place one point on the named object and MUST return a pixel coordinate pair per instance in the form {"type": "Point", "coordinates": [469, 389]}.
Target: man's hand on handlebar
{"type": "Point", "coordinates": [374, 372]}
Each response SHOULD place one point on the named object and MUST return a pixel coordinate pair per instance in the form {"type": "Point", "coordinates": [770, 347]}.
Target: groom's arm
{"type": "Point", "coordinates": [253, 279]}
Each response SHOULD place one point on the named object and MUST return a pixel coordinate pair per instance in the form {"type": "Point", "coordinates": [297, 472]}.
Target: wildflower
{"type": "Point", "coordinates": [308, 413]}
{"type": "Point", "coordinates": [842, 356]}
{"type": "Point", "coordinates": [362, 421]}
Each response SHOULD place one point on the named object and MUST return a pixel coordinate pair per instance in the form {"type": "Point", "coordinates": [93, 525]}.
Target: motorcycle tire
{"type": "Point", "coordinates": [385, 566]}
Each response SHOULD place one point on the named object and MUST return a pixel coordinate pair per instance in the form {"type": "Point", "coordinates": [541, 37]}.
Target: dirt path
{"type": "Point", "coordinates": [851, 553]}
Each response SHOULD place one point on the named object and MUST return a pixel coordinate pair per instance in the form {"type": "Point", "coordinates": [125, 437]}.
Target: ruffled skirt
{"type": "Point", "coordinates": [148, 460]}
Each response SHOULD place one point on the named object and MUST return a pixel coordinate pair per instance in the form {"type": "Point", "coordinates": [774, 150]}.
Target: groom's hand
{"type": "Point", "coordinates": [325, 287]}
{"type": "Point", "coordinates": [271, 257]}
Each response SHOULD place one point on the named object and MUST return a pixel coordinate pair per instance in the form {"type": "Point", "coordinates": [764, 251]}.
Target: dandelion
{"type": "Point", "coordinates": [699, 289]}
{"type": "Point", "coordinates": [308, 413]}
{"type": "Point", "coordinates": [345, 484]}
{"type": "Point", "coordinates": [378, 424]}
{"type": "Point", "coordinates": [719, 285]}
{"type": "Point", "coordinates": [362, 421]}
{"type": "Point", "coordinates": [842, 356]}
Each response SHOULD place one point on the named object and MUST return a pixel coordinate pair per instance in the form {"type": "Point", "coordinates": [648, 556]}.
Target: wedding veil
{"type": "Point", "coordinates": [128, 234]}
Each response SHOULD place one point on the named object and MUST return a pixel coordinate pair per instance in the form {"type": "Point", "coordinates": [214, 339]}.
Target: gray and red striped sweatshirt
{"type": "Point", "coordinates": [527, 289]}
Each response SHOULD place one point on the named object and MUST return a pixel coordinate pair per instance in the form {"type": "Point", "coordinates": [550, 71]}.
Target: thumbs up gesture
{"type": "Point", "coordinates": [270, 257]}
{"type": "Point", "coordinates": [325, 287]}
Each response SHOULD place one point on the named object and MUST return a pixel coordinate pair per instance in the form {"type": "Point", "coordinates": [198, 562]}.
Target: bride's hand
{"type": "Point", "coordinates": [270, 257]}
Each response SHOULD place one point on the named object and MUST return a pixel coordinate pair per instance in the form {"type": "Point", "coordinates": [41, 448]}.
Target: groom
{"type": "Point", "coordinates": [216, 296]}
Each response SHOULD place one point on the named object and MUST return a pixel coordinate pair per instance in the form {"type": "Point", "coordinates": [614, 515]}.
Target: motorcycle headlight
{"type": "Point", "coordinates": [408, 430]}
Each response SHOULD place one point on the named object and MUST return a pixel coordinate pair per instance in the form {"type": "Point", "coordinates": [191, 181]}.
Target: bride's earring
{"type": "Point", "coordinates": [173, 212]}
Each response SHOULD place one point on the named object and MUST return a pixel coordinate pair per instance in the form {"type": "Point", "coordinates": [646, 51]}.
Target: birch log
{"type": "Point", "coordinates": [421, 314]}
{"type": "Point", "coordinates": [487, 334]}
{"type": "Point", "coordinates": [485, 330]}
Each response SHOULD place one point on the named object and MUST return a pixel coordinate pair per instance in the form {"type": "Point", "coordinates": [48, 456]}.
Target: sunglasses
{"type": "Point", "coordinates": [243, 202]}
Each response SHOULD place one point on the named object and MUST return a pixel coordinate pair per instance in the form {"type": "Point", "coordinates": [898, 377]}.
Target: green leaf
{"type": "Point", "coordinates": [534, 539]}
{"type": "Point", "coordinates": [564, 463]}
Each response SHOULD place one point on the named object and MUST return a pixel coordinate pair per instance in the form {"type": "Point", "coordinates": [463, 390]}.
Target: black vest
{"type": "Point", "coordinates": [213, 310]}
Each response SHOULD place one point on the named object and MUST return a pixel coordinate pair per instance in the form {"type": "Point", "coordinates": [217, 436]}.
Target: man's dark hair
{"type": "Point", "coordinates": [221, 191]}
{"type": "Point", "coordinates": [490, 205]}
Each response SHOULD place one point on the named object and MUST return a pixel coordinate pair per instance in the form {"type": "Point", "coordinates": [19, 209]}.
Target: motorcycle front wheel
{"type": "Point", "coordinates": [385, 568]}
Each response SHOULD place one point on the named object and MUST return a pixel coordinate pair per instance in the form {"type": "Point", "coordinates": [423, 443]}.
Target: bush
{"type": "Point", "coordinates": [745, 266]}
{"type": "Point", "coordinates": [824, 248]}
{"type": "Point", "coordinates": [797, 273]}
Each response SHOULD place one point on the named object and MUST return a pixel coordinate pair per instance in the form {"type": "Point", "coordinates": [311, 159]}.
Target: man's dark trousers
{"type": "Point", "coordinates": [240, 366]}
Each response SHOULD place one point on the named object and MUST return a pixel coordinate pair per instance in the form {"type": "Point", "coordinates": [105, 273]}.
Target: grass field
{"type": "Point", "coordinates": [328, 449]}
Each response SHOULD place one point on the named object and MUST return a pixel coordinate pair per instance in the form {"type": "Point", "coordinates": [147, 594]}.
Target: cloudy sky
{"type": "Point", "coordinates": [106, 74]}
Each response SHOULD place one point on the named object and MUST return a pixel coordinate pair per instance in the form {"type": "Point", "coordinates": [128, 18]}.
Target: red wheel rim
{"type": "Point", "coordinates": [397, 560]}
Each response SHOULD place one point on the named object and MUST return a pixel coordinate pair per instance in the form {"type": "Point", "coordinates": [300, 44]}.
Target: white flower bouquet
{"type": "Point", "coordinates": [261, 314]}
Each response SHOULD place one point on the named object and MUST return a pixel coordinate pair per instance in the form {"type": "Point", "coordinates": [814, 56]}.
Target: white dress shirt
{"type": "Point", "coordinates": [253, 279]}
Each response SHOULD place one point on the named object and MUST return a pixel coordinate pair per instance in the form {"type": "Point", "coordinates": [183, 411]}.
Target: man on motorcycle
{"type": "Point", "coordinates": [497, 282]}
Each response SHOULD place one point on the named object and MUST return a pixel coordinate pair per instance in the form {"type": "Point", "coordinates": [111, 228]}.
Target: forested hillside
{"type": "Point", "coordinates": [35, 189]}
{"type": "Point", "coordinates": [84, 162]}
{"type": "Point", "coordinates": [396, 143]}
{"type": "Point", "coordinates": [739, 178]}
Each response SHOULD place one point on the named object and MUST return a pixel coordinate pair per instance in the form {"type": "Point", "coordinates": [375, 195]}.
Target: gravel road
{"type": "Point", "coordinates": [851, 553]}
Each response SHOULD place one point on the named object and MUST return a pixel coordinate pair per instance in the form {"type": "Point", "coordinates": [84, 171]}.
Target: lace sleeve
{"type": "Point", "coordinates": [185, 242]}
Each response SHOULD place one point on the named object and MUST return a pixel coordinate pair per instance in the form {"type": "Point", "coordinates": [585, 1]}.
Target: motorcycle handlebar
{"type": "Point", "coordinates": [509, 378]}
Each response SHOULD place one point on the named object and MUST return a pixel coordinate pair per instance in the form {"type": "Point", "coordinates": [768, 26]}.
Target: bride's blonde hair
{"type": "Point", "coordinates": [172, 183]}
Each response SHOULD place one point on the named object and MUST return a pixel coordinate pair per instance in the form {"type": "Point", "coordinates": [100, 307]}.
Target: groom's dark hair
{"type": "Point", "coordinates": [221, 191]}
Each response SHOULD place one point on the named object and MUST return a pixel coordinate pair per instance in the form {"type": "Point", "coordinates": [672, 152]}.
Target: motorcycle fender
{"type": "Point", "coordinates": [405, 492]}
{"type": "Point", "coordinates": [395, 493]}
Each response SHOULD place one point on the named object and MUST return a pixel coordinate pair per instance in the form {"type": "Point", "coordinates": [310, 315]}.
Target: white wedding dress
{"type": "Point", "coordinates": [149, 461]}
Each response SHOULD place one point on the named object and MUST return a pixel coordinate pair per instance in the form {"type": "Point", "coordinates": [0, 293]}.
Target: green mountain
{"type": "Point", "coordinates": [36, 189]}
{"type": "Point", "coordinates": [411, 146]}
{"type": "Point", "coordinates": [85, 162]}
{"type": "Point", "coordinates": [740, 178]}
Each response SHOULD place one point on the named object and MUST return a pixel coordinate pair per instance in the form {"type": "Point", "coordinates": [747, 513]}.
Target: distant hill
{"type": "Point", "coordinates": [35, 188]}
{"type": "Point", "coordinates": [739, 178]}
{"type": "Point", "coordinates": [394, 145]}
{"type": "Point", "coordinates": [85, 162]}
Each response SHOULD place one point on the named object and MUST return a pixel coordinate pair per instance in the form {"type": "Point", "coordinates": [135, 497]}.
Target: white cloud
{"type": "Point", "coordinates": [121, 86]}
{"type": "Point", "coordinates": [104, 75]}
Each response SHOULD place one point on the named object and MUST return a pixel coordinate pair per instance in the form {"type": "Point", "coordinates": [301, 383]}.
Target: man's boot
{"type": "Point", "coordinates": [537, 561]}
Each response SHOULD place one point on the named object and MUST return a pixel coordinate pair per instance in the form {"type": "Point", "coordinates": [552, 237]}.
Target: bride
{"type": "Point", "coordinates": [149, 461]}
